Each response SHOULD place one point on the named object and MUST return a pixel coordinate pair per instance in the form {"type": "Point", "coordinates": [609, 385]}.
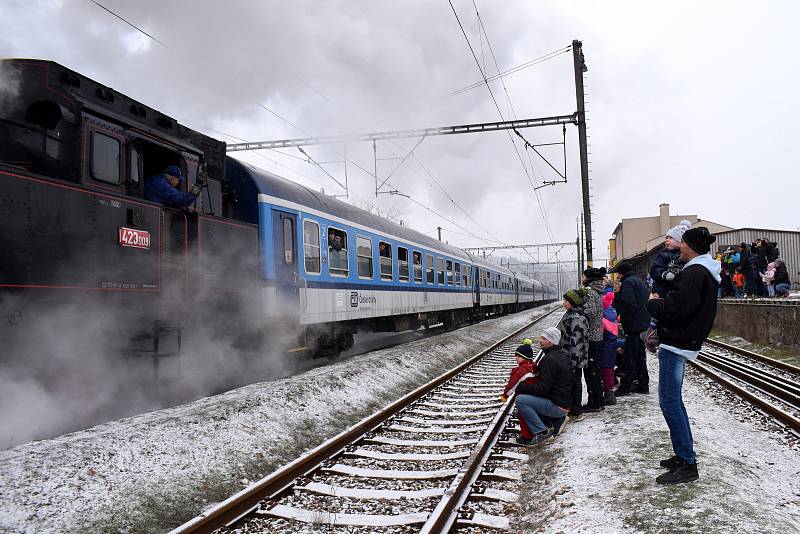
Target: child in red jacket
{"type": "Point", "coordinates": [524, 372]}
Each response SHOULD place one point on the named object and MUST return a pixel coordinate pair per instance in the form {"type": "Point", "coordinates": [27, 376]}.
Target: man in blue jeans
{"type": "Point", "coordinates": [548, 399]}
{"type": "Point", "coordinates": [685, 316]}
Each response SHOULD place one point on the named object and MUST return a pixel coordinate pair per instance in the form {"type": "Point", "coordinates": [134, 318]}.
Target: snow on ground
{"type": "Point", "coordinates": [153, 471]}
{"type": "Point", "coordinates": [599, 475]}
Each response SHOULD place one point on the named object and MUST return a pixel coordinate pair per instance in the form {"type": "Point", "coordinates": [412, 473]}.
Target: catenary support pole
{"type": "Point", "coordinates": [580, 68]}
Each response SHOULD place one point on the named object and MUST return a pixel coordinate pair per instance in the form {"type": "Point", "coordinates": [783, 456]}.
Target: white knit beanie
{"type": "Point", "coordinates": [676, 232]}
{"type": "Point", "coordinates": [552, 334]}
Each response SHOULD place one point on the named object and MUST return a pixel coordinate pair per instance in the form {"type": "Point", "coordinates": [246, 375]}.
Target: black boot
{"type": "Point", "coordinates": [670, 463]}
{"type": "Point", "coordinates": [609, 398]}
{"type": "Point", "coordinates": [683, 472]}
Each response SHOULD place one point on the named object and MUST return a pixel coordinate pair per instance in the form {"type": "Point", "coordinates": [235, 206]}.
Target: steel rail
{"type": "Point", "coordinates": [247, 500]}
{"type": "Point", "coordinates": [445, 516]}
{"type": "Point", "coordinates": [787, 419]}
{"type": "Point", "coordinates": [755, 356]}
{"type": "Point", "coordinates": [777, 387]}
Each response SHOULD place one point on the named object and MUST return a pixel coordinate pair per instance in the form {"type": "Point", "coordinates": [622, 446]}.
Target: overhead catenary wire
{"type": "Point", "coordinates": [511, 138]}
{"type": "Point", "coordinates": [295, 126]}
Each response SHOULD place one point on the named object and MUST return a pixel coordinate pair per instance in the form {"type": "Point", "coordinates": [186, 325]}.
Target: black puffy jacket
{"type": "Point", "coordinates": [631, 303]}
{"type": "Point", "coordinates": [685, 316]}
{"type": "Point", "coordinates": [781, 275]}
{"type": "Point", "coordinates": [555, 379]}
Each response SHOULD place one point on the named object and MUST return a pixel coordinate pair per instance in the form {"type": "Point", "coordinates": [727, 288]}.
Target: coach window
{"type": "Point", "coordinates": [440, 271]}
{"type": "Point", "coordinates": [402, 264]}
{"type": "Point", "coordinates": [467, 275]}
{"type": "Point", "coordinates": [311, 246]}
{"type": "Point", "coordinates": [429, 277]}
{"type": "Point", "coordinates": [338, 263]}
{"type": "Point", "coordinates": [364, 257]}
{"type": "Point", "coordinates": [417, 258]}
{"type": "Point", "coordinates": [105, 158]}
{"type": "Point", "coordinates": [385, 251]}
{"type": "Point", "coordinates": [449, 272]}
{"type": "Point", "coordinates": [458, 274]}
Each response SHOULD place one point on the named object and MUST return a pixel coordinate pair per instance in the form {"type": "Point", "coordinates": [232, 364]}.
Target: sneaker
{"type": "Point", "coordinates": [609, 398]}
{"type": "Point", "coordinates": [524, 442]}
{"type": "Point", "coordinates": [683, 472]}
{"type": "Point", "coordinates": [558, 426]}
{"type": "Point", "coordinates": [541, 436]}
{"type": "Point", "coordinates": [575, 418]}
{"type": "Point", "coordinates": [670, 463]}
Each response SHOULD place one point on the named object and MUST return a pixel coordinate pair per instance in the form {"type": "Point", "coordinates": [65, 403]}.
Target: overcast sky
{"type": "Point", "coordinates": [690, 103]}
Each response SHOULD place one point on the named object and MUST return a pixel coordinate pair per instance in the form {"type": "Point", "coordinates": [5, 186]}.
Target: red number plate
{"type": "Point", "coordinates": [128, 237]}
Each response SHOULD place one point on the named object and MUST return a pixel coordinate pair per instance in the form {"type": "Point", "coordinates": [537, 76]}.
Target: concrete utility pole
{"type": "Point", "coordinates": [580, 68]}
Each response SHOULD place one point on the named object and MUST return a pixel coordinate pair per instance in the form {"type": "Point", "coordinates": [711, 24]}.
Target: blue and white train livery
{"type": "Point", "coordinates": [333, 268]}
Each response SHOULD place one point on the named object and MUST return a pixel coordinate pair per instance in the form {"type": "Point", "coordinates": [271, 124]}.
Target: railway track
{"type": "Point", "coordinates": [771, 385]}
{"type": "Point", "coordinates": [436, 460]}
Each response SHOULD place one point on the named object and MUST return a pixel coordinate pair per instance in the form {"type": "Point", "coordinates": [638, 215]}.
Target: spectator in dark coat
{"type": "Point", "coordinates": [758, 258]}
{"type": "Point", "coordinates": [551, 396]}
{"type": "Point", "coordinates": [747, 270]}
{"type": "Point", "coordinates": [685, 316]}
{"type": "Point", "coordinates": [592, 280]}
{"type": "Point", "coordinates": [631, 304]}
{"type": "Point", "coordinates": [781, 280]}
{"type": "Point", "coordinates": [771, 250]}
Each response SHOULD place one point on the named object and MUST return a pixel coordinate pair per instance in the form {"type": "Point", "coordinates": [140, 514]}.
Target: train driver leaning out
{"type": "Point", "coordinates": [165, 188]}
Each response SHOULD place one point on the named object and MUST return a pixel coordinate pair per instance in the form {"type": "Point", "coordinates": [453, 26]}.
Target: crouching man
{"type": "Point", "coordinates": [685, 316]}
{"type": "Point", "coordinates": [549, 399]}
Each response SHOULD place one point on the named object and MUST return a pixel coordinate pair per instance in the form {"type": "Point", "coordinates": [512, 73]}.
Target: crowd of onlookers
{"type": "Point", "coordinates": [748, 271]}
{"type": "Point", "coordinates": [609, 324]}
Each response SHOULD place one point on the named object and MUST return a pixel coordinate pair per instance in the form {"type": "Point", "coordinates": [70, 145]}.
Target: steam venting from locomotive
{"type": "Point", "coordinates": [63, 367]}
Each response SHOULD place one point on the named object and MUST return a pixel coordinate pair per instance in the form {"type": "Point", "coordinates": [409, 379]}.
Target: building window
{"type": "Point", "coordinates": [440, 271]}
{"type": "Point", "coordinates": [311, 246]}
{"type": "Point", "coordinates": [429, 269]}
{"type": "Point", "coordinates": [417, 259]}
{"type": "Point", "coordinates": [402, 264]}
{"type": "Point", "coordinates": [364, 257]}
{"type": "Point", "coordinates": [105, 158]}
{"type": "Point", "coordinates": [385, 252]}
{"type": "Point", "coordinates": [338, 264]}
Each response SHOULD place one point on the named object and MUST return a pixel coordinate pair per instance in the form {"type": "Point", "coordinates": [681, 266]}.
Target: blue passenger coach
{"type": "Point", "coordinates": [332, 268]}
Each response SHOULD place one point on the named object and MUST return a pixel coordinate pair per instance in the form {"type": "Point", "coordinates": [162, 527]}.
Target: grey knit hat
{"type": "Point", "coordinates": [676, 232]}
{"type": "Point", "coordinates": [552, 334]}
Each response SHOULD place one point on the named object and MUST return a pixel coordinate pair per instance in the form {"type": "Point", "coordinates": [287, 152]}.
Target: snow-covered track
{"type": "Point", "coordinates": [410, 467]}
{"type": "Point", "coordinates": [771, 385]}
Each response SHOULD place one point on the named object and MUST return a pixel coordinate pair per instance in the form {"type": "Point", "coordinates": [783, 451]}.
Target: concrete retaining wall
{"type": "Point", "coordinates": [762, 323]}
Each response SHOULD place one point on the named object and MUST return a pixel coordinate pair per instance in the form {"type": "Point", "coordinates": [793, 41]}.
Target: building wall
{"type": "Point", "coordinates": [766, 324]}
{"type": "Point", "coordinates": [788, 246]}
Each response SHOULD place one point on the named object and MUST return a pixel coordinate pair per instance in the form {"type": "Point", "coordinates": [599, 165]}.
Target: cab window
{"type": "Point", "coordinates": [105, 158]}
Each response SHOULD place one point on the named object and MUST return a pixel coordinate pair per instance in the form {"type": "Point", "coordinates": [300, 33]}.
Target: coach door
{"type": "Point", "coordinates": [284, 232]}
